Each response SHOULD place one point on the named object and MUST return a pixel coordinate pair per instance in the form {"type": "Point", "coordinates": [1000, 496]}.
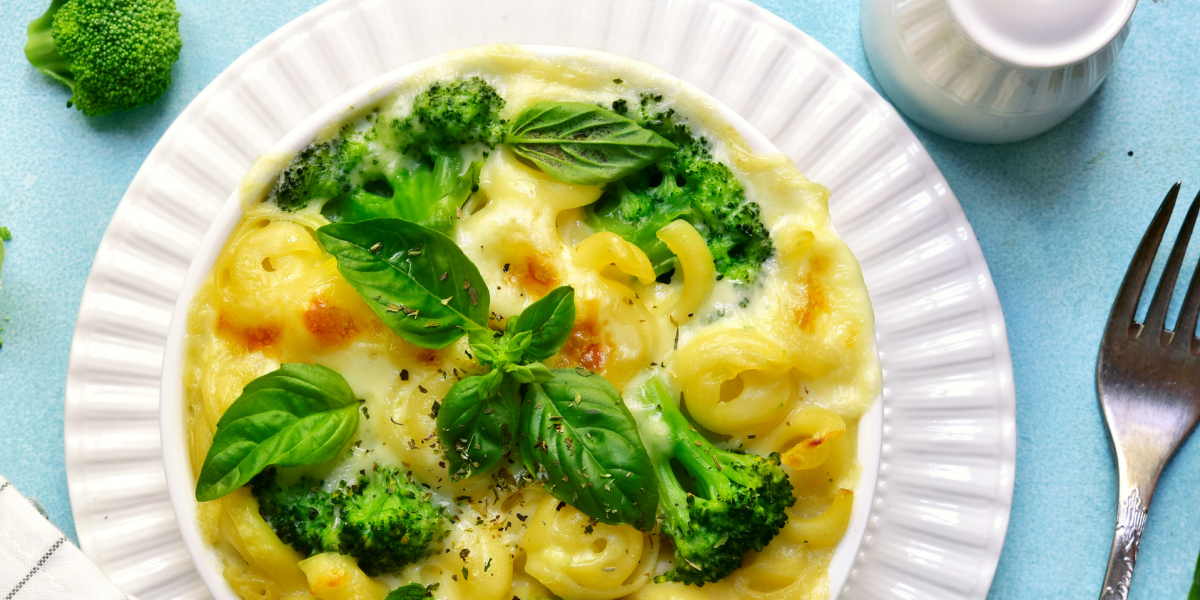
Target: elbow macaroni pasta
{"type": "Point", "coordinates": [784, 365]}
{"type": "Point", "coordinates": [332, 576]}
{"type": "Point", "coordinates": [485, 573]}
{"type": "Point", "coordinates": [696, 263]}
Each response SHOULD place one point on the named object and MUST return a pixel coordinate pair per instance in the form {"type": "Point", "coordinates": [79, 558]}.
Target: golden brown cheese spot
{"type": "Point", "coordinates": [333, 326]}
{"type": "Point", "coordinates": [588, 347]}
{"type": "Point", "coordinates": [254, 338]}
{"type": "Point", "coordinates": [809, 302]}
{"type": "Point", "coordinates": [535, 273]}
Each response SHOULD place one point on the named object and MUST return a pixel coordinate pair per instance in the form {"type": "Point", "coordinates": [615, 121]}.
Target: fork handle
{"type": "Point", "coordinates": [1134, 504]}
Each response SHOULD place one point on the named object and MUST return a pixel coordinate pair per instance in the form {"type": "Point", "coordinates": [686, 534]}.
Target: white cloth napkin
{"type": "Point", "coordinates": [37, 562]}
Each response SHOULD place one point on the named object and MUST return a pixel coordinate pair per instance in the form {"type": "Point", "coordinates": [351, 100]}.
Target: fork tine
{"type": "Point", "coordinates": [1185, 325]}
{"type": "Point", "coordinates": [1125, 306]}
{"type": "Point", "coordinates": [1156, 317]}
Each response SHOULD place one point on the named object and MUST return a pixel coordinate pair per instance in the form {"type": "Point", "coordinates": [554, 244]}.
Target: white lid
{"type": "Point", "coordinates": [1042, 33]}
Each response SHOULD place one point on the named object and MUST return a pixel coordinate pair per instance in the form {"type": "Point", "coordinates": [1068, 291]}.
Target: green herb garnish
{"type": "Point", "coordinates": [397, 266]}
{"type": "Point", "coordinates": [296, 415]}
{"type": "Point", "coordinates": [583, 143]}
{"type": "Point", "coordinates": [577, 434]}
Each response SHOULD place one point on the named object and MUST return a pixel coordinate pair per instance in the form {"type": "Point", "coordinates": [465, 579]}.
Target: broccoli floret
{"type": "Point", "coordinates": [450, 124]}
{"type": "Point", "coordinates": [449, 115]}
{"type": "Point", "coordinates": [385, 520]}
{"type": "Point", "coordinates": [113, 54]}
{"type": "Point", "coordinates": [390, 522]}
{"type": "Point", "coordinates": [687, 184]}
{"type": "Point", "coordinates": [301, 514]}
{"type": "Point", "coordinates": [319, 172]}
{"type": "Point", "coordinates": [715, 504]}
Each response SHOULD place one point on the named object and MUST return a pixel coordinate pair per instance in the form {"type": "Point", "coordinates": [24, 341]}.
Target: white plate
{"type": "Point", "coordinates": [181, 480]}
{"type": "Point", "coordinates": [945, 480]}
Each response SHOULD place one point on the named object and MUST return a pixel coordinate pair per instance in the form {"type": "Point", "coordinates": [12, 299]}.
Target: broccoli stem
{"type": "Point", "coordinates": [683, 440]}
{"type": "Point", "coordinates": [40, 50]}
{"type": "Point", "coordinates": [727, 503]}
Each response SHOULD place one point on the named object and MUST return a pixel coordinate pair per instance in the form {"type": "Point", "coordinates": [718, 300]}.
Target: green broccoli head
{"type": "Point", "coordinates": [442, 138]}
{"type": "Point", "coordinates": [113, 54]}
{"type": "Point", "coordinates": [715, 504]}
{"type": "Point", "coordinates": [687, 184]}
{"type": "Point", "coordinates": [385, 520]}
{"type": "Point", "coordinates": [452, 114]}
{"type": "Point", "coordinates": [390, 522]}
{"type": "Point", "coordinates": [301, 514]}
{"type": "Point", "coordinates": [321, 171]}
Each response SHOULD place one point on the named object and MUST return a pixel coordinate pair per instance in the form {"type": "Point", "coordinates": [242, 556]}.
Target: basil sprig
{"type": "Point", "coordinates": [296, 415]}
{"type": "Point", "coordinates": [477, 422]}
{"type": "Point", "coordinates": [417, 280]}
{"type": "Point", "coordinates": [579, 438]}
{"type": "Point", "coordinates": [582, 143]}
{"type": "Point", "coordinates": [574, 430]}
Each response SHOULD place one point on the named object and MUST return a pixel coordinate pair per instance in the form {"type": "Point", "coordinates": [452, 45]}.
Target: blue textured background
{"type": "Point", "coordinates": [1058, 218]}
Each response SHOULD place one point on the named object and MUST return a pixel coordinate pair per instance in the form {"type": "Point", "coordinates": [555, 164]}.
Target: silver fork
{"type": "Point", "coordinates": [1149, 383]}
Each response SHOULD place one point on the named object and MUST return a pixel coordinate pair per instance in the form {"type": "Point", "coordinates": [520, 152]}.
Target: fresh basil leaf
{"type": "Point", "coordinates": [581, 441]}
{"type": "Point", "coordinates": [417, 280]}
{"type": "Point", "coordinates": [550, 320]}
{"type": "Point", "coordinates": [582, 143]}
{"type": "Point", "coordinates": [476, 425]}
{"type": "Point", "coordinates": [412, 591]}
{"type": "Point", "coordinates": [296, 415]}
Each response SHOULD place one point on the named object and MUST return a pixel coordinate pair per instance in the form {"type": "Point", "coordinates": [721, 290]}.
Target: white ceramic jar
{"type": "Point", "coordinates": [992, 71]}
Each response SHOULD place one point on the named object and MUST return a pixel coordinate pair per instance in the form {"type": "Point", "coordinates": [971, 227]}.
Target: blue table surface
{"type": "Point", "coordinates": [1058, 218]}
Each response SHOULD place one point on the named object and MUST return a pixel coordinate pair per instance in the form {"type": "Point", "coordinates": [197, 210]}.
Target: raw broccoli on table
{"type": "Point", "coordinates": [113, 54]}
{"type": "Point", "coordinates": [715, 504]}
{"type": "Point", "coordinates": [385, 520]}
{"type": "Point", "coordinates": [687, 184]}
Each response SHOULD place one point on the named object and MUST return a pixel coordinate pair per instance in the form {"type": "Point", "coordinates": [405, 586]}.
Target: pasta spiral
{"type": "Point", "coordinates": [478, 565]}
{"type": "Point", "coordinates": [802, 438]}
{"type": "Point", "coordinates": [609, 562]}
{"type": "Point", "coordinates": [696, 263]}
{"type": "Point", "coordinates": [734, 380]}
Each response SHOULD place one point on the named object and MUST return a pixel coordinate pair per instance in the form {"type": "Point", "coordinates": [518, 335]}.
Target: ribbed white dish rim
{"type": "Point", "coordinates": [945, 487]}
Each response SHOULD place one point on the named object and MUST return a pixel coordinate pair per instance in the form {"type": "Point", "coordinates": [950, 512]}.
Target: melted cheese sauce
{"type": "Point", "coordinates": [784, 365]}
